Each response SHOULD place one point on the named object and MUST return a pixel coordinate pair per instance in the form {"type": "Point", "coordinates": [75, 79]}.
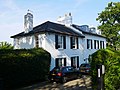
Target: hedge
{"type": "Point", "coordinates": [23, 66]}
{"type": "Point", "coordinates": [111, 60]}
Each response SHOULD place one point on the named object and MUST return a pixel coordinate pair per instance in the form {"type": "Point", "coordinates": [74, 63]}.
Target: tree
{"type": "Point", "coordinates": [110, 23]}
{"type": "Point", "coordinates": [5, 45]}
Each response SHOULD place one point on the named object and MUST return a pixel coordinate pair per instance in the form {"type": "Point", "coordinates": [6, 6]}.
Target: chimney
{"type": "Point", "coordinates": [28, 22]}
{"type": "Point", "coordinates": [66, 19]}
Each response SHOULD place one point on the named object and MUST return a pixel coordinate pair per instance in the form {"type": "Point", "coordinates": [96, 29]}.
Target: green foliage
{"type": "Point", "coordinates": [5, 45]}
{"type": "Point", "coordinates": [110, 23]}
{"type": "Point", "coordinates": [22, 67]}
{"type": "Point", "coordinates": [111, 60]}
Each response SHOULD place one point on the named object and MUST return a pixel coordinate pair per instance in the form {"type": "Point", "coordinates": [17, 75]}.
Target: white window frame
{"type": "Point", "coordinates": [75, 61]}
{"type": "Point", "coordinates": [89, 46]}
{"type": "Point", "coordinates": [60, 42]}
{"type": "Point", "coordinates": [74, 43]}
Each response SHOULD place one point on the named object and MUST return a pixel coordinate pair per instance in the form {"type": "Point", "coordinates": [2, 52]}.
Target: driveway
{"type": "Point", "coordinates": [83, 83]}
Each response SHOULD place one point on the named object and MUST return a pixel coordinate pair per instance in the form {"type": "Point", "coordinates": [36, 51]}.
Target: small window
{"type": "Point", "coordinates": [89, 44]}
{"type": "Point", "coordinates": [74, 42]}
{"type": "Point", "coordinates": [101, 44]}
{"type": "Point", "coordinates": [96, 44]}
{"type": "Point", "coordinates": [60, 42]}
{"type": "Point", "coordinates": [60, 62]}
{"type": "Point", "coordinates": [75, 61]}
{"type": "Point", "coordinates": [36, 41]}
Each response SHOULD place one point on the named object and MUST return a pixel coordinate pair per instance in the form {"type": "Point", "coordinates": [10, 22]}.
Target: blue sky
{"type": "Point", "coordinates": [12, 13]}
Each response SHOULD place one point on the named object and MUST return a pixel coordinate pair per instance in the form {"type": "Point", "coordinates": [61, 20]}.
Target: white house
{"type": "Point", "coordinates": [68, 44]}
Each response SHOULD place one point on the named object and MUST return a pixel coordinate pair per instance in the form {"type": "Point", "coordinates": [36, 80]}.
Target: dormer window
{"type": "Point", "coordinates": [60, 42]}
{"type": "Point", "coordinates": [74, 42]}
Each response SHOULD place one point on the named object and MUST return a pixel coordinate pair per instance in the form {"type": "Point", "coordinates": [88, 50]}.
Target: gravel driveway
{"type": "Point", "coordinates": [83, 83]}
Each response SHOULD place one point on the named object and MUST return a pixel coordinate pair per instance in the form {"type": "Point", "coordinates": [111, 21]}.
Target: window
{"type": "Point", "coordinates": [60, 42]}
{"type": "Point", "coordinates": [36, 41]}
{"type": "Point", "coordinates": [26, 39]}
{"type": "Point", "coordinates": [75, 61]}
{"type": "Point", "coordinates": [18, 41]}
{"type": "Point", "coordinates": [96, 44]}
{"type": "Point", "coordinates": [60, 62]}
{"type": "Point", "coordinates": [89, 44]}
{"type": "Point", "coordinates": [74, 42]}
{"type": "Point", "coordinates": [101, 44]}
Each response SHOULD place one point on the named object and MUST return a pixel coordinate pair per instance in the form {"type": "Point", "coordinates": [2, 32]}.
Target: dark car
{"type": "Point", "coordinates": [62, 74]}
{"type": "Point", "coordinates": [84, 68]}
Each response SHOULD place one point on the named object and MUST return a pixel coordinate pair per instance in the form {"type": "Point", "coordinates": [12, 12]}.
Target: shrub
{"type": "Point", "coordinates": [111, 60]}
{"type": "Point", "coordinates": [21, 67]}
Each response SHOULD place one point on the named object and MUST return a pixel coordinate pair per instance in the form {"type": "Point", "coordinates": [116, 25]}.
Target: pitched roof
{"type": "Point", "coordinates": [52, 28]}
{"type": "Point", "coordinates": [87, 32]}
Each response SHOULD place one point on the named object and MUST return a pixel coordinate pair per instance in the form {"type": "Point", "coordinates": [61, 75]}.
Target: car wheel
{"type": "Point", "coordinates": [64, 79]}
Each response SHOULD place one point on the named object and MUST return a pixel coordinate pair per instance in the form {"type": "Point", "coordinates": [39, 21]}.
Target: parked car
{"type": "Point", "coordinates": [84, 68]}
{"type": "Point", "coordinates": [62, 74]}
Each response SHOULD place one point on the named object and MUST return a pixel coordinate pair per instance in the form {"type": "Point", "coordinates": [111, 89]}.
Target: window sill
{"type": "Point", "coordinates": [74, 49]}
{"type": "Point", "coordinates": [60, 49]}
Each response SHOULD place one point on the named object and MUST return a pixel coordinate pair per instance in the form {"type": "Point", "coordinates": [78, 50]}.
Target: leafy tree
{"type": "Point", "coordinates": [110, 23]}
{"type": "Point", "coordinates": [5, 45]}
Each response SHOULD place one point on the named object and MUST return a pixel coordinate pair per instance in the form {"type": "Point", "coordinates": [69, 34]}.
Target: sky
{"type": "Point", "coordinates": [84, 12]}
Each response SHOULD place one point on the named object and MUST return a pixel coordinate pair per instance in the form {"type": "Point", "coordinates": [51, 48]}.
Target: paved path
{"type": "Point", "coordinates": [83, 83]}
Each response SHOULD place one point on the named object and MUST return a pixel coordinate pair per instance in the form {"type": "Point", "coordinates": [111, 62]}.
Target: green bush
{"type": "Point", "coordinates": [111, 60]}
{"type": "Point", "coordinates": [22, 67]}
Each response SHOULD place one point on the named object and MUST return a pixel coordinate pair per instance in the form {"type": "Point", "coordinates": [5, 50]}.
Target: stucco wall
{"type": "Point", "coordinates": [88, 52]}
{"type": "Point", "coordinates": [47, 42]}
{"type": "Point", "coordinates": [63, 53]}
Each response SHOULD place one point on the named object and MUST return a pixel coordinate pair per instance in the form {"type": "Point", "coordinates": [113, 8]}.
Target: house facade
{"type": "Point", "coordinates": [68, 44]}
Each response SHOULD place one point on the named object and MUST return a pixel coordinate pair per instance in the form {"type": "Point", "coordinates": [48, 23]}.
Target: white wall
{"type": "Point", "coordinates": [63, 53]}
{"type": "Point", "coordinates": [47, 42]}
{"type": "Point", "coordinates": [24, 42]}
{"type": "Point", "coordinates": [88, 52]}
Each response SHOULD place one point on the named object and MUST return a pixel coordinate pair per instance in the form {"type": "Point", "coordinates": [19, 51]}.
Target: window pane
{"type": "Point", "coordinates": [60, 62]}
{"type": "Point", "coordinates": [60, 41]}
{"type": "Point", "coordinates": [75, 61]}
